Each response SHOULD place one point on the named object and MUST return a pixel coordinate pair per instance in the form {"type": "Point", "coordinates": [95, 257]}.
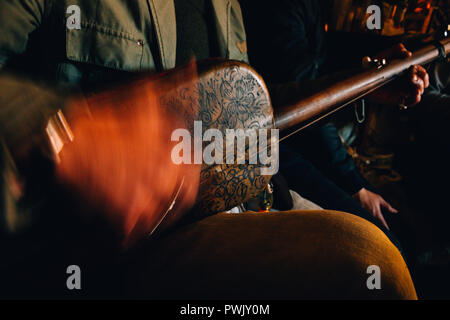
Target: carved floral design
{"type": "Point", "coordinates": [231, 96]}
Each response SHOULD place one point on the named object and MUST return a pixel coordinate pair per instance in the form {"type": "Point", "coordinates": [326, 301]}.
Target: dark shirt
{"type": "Point", "coordinates": [286, 42]}
{"type": "Point", "coordinates": [286, 38]}
{"type": "Point", "coordinates": [195, 30]}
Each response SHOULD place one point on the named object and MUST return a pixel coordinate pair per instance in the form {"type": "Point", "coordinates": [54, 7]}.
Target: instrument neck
{"type": "Point", "coordinates": [334, 96]}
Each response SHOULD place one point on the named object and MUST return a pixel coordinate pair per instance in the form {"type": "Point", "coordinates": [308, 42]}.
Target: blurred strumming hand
{"type": "Point", "coordinates": [120, 159]}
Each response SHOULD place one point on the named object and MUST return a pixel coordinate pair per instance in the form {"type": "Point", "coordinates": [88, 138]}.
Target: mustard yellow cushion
{"type": "Point", "coordinates": [287, 255]}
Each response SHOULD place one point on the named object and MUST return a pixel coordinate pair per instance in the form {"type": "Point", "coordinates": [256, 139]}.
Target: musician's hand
{"type": "Point", "coordinates": [398, 51]}
{"type": "Point", "coordinates": [408, 90]}
{"type": "Point", "coordinates": [374, 203]}
{"type": "Point", "coordinates": [120, 160]}
{"type": "Point", "coordinates": [25, 107]}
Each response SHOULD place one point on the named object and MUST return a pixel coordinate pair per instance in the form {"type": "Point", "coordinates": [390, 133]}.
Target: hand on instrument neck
{"type": "Point", "coordinates": [120, 159]}
{"type": "Point", "coordinates": [407, 90]}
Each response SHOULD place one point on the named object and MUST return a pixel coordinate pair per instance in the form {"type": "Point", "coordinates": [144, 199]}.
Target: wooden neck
{"type": "Point", "coordinates": [338, 94]}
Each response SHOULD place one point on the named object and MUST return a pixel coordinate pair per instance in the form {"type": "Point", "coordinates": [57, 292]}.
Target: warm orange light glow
{"type": "Point", "coordinates": [120, 159]}
{"type": "Point", "coordinates": [421, 4]}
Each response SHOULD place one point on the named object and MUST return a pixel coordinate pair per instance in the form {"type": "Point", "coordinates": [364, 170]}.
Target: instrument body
{"type": "Point", "coordinates": [227, 95]}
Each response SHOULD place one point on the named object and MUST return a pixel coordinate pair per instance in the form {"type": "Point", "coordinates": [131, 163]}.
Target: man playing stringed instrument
{"type": "Point", "coordinates": [225, 256]}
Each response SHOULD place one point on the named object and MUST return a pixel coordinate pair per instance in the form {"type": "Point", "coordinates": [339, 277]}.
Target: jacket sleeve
{"type": "Point", "coordinates": [18, 20]}
{"type": "Point", "coordinates": [331, 156]}
{"type": "Point", "coordinates": [438, 94]}
{"type": "Point", "coordinates": [24, 105]}
{"type": "Point", "coordinates": [25, 108]}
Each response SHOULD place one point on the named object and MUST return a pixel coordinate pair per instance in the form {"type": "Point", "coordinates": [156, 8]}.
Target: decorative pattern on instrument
{"type": "Point", "coordinates": [232, 99]}
{"type": "Point", "coordinates": [231, 96]}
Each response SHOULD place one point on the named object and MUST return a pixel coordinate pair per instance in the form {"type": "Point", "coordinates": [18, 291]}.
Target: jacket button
{"type": "Point", "coordinates": [140, 43]}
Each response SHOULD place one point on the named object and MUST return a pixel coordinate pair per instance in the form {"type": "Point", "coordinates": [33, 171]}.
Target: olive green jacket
{"type": "Point", "coordinates": [121, 35]}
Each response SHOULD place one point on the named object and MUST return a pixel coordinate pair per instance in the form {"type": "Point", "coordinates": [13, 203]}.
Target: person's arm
{"type": "Point", "coordinates": [435, 98]}
{"type": "Point", "coordinates": [438, 94]}
{"type": "Point", "coordinates": [332, 156]}
{"type": "Point", "coordinates": [24, 105]}
{"type": "Point", "coordinates": [25, 108]}
{"type": "Point", "coordinates": [18, 20]}
{"type": "Point", "coordinates": [329, 154]}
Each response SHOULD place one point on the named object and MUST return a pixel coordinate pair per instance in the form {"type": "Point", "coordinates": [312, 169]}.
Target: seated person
{"type": "Point", "coordinates": [286, 41]}
{"type": "Point", "coordinates": [253, 256]}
